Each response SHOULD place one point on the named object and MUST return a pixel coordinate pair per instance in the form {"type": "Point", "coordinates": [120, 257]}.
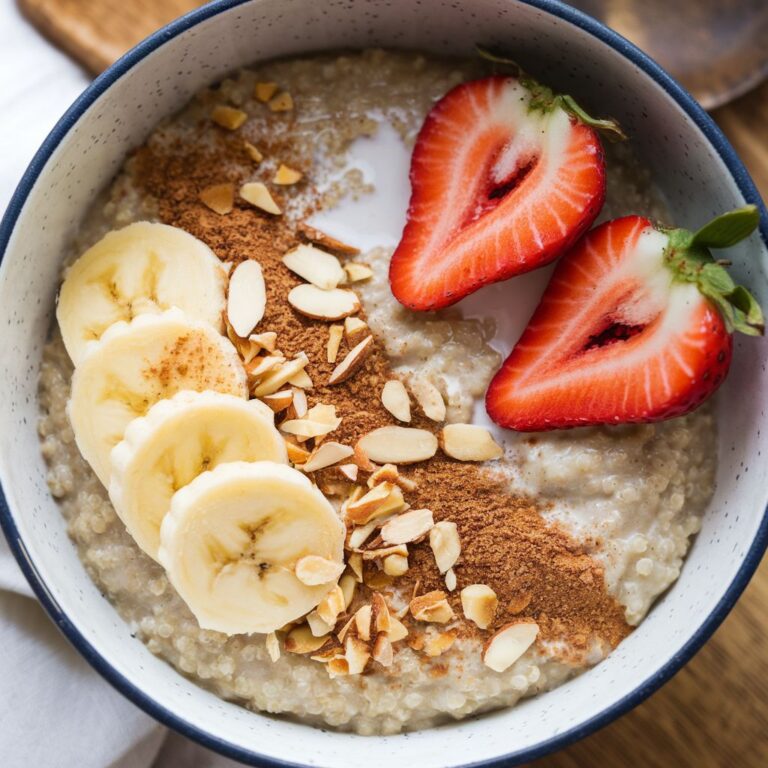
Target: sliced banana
{"type": "Point", "coordinates": [136, 364]}
{"type": "Point", "coordinates": [178, 439]}
{"type": "Point", "coordinates": [231, 541]}
{"type": "Point", "coordinates": [144, 267]}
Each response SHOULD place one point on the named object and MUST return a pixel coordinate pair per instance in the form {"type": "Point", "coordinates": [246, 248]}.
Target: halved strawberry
{"type": "Point", "coordinates": [505, 175]}
{"type": "Point", "coordinates": [634, 326]}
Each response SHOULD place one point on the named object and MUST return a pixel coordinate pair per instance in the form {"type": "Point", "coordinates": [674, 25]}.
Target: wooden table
{"type": "Point", "coordinates": [714, 713]}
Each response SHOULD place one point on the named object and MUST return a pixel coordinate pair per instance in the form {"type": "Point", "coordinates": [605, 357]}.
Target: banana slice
{"type": "Point", "coordinates": [177, 440]}
{"type": "Point", "coordinates": [144, 267]}
{"type": "Point", "coordinates": [231, 541]}
{"type": "Point", "coordinates": [136, 364]}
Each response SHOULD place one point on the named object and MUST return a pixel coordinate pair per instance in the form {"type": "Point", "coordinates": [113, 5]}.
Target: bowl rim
{"type": "Point", "coordinates": [177, 722]}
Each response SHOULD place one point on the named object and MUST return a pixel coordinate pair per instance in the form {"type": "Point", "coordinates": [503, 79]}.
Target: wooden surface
{"type": "Point", "coordinates": [714, 713]}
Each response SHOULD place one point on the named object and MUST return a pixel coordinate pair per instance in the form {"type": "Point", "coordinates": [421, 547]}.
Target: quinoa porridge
{"type": "Point", "coordinates": [576, 532]}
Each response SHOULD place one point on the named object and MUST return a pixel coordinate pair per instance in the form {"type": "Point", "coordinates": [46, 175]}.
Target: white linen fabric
{"type": "Point", "coordinates": [55, 711]}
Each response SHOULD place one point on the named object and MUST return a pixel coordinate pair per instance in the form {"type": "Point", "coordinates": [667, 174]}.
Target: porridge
{"type": "Point", "coordinates": [430, 569]}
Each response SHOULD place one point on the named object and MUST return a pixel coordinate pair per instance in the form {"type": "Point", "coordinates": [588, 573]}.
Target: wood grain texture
{"type": "Point", "coordinates": [714, 713]}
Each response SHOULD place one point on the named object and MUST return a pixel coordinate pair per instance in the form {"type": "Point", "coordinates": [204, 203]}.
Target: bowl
{"type": "Point", "coordinates": [690, 160]}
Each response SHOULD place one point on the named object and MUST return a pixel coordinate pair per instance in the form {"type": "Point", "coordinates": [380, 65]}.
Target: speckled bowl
{"type": "Point", "coordinates": [690, 160]}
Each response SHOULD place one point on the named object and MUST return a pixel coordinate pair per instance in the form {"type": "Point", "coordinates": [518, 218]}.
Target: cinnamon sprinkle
{"type": "Point", "coordinates": [536, 569]}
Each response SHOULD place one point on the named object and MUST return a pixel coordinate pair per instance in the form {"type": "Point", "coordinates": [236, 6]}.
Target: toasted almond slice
{"type": "Point", "coordinates": [279, 401]}
{"type": "Point", "coordinates": [285, 373]}
{"type": "Point", "coordinates": [349, 471]}
{"type": "Point", "coordinates": [450, 580]}
{"type": "Point", "coordinates": [314, 570]}
{"type": "Point", "coordinates": [327, 455]}
{"type": "Point", "coordinates": [299, 402]}
{"type": "Point", "coordinates": [228, 117]}
{"type": "Point", "coordinates": [253, 152]}
{"type": "Point", "coordinates": [356, 654]}
{"type": "Point", "coordinates": [468, 442]}
{"type": "Point", "coordinates": [386, 474]}
{"type": "Point", "coordinates": [314, 265]}
{"type": "Point", "coordinates": [348, 585]}
{"type": "Point", "coordinates": [265, 91]}
{"type": "Point", "coordinates": [429, 398]}
{"type": "Point", "coordinates": [381, 617]}
{"type": "Point", "coordinates": [283, 102]}
{"type": "Point", "coordinates": [408, 526]}
{"type": "Point", "coordinates": [362, 460]}
{"type": "Point", "coordinates": [273, 646]}
{"type": "Point", "coordinates": [320, 304]}
{"type": "Point", "coordinates": [304, 429]}
{"type": "Point", "coordinates": [363, 622]}
{"type": "Point", "coordinates": [382, 650]}
{"type": "Point", "coordinates": [509, 643]}
{"type": "Point", "coordinates": [256, 193]}
{"type": "Point", "coordinates": [317, 626]}
{"type": "Point", "coordinates": [379, 501]}
{"type": "Point", "coordinates": [355, 330]}
{"type": "Point", "coordinates": [395, 565]}
{"type": "Point", "coordinates": [247, 297]}
{"type": "Point", "coordinates": [266, 340]}
{"type": "Point", "coordinates": [397, 630]}
{"type": "Point", "coordinates": [438, 643]}
{"type": "Point", "coordinates": [352, 362]}
{"type": "Point", "coordinates": [285, 176]}
{"type": "Point", "coordinates": [357, 272]}
{"type": "Point", "coordinates": [301, 640]}
{"type": "Point", "coordinates": [384, 552]}
{"type": "Point", "coordinates": [360, 534]}
{"type": "Point", "coordinates": [479, 603]}
{"type": "Point", "coordinates": [394, 397]}
{"type": "Point", "coordinates": [398, 445]}
{"type": "Point", "coordinates": [260, 366]}
{"type": "Point", "coordinates": [431, 606]}
{"type": "Point", "coordinates": [296, 454]}
{"type": "Point", "coordinates": [335, 335]}
{"type": "Point", "coordinates": [332, 606]}
{"type": "Point", "coordinates": [220, 198]}
{"type": "Point", "coordinates": [446, 545]}
{"type": "Point", "coordinates": [315, 235]}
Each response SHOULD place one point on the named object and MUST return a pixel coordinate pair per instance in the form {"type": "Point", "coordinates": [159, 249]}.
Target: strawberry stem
{"type": "Point", "coordinates": [688, 256]}
{"type": "Point", "coordinates": [544, 99]}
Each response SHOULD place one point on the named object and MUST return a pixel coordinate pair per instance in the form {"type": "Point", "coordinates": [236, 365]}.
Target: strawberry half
{"type": "Point", "coordinates": [634, 326]}
{"type": "Point", "coordinates": [505, 175]}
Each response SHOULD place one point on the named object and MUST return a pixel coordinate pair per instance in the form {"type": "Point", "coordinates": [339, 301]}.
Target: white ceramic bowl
{"type": "Point", "coordinates": [690, 160]}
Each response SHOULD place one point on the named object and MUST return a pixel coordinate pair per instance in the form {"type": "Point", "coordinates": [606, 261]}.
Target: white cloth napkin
{"type": "Point", "coordinates": [55, 711]}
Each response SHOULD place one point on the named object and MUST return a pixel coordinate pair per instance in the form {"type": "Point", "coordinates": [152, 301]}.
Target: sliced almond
{"type": "Point", "coordinates": [247, 298]}
{"type": "Point", "coordinates": [397, 630]}
{"type": "Point", "coordinates": [363, 622]}
{"type": "Point", "coordinates": [285, 373]}
{"type": "Point", "coordinates": [228, 117]}
{"type": "Point", "coordinates": [256, 193]}
{"type": "Point", "coordinates": [301, 379]}
{"type": "Point", "coordinates": [265, 91]}
{"type": "Point", "coordinates": [301, 640]}
{"type": "Point", "coordinates": [384, 552]}
{"type": "Point", "coordinates": [314, 570]}
{"type": "Point", "coordinates": [260, 366]}
{"type": "Point", "coordinates": [395, 565]}
{"type": "Point", "coordinates": [319, 237]}
{"type": "Point", "coordinates": [327, 455]}
{"type": "Point", "coordinates": [319, 304]}
{"type": "Point", "coordinates": [398, 445]}
{"type": "Point", "coordinates": [379, 501]}
{"type": "Point", "coordinates": [429, 398]}
{"type": "Point", "coordinates": [253, 152]}
{"type": "Point", "coordinates": [479, 603]}
{"type": "Point", "coordinates": [446, 545]}
{"type": "Point", "coordinates": [337, 667]}
{"type": "Point", "coordinates": [296, 454]}
{"type": "Point", "coordinates": [432, 607]}
{"type": "Point", "coordinates": [468, 442]}
{"type": "Point", "coordinates": [349, 471]}
{"type": "Point", "coordinates": [273, 646]}
{"type": "Point", "coordinates": [332, 606]}
{"type": "Point", "coordinates": [355, 563]}
{"type": "Point", "coordinates": [306, 428]}
{"type": "Point", "coordinates": [317, 626]}
{"type": "Point", "coordinates": [335, 335]}
{"type": "Point", "coordinates": [316, 266]}
{"type": "Point", "coordinates": [360, 534]}
{"type": "Point", "coordinates": [355, 330]}
{"type": "Point", "coordinates": [299, 402]}
{"type": "Point", "coordinates": [450, 580]}
{"type": "Point", "coordinates": [285, 176]}
{"type": "Point", "coordinates": [382, 652]}
{"type": "Point", "coordinates": [408, 527]}
{"type": "Point", "coordinates": [220, 198]}
{"type": "Point", "coordinates": [266, 341]}
{"type": "Point", "coordinates": [352, 362]}
{"type": "Point", "coordinates": [356, 654]}
{"type": "Point", "coordinates": [509, 643]}
{"type": "Point", "coordinates": [381, 616]}
{"type": "Point", "coordinates": [386, 474]}
{"type": "Point", "coordinates": [348, 585]}
{"type": "Point", "coordinates": [283, 102]}
{"type": "Point", "coordinates": [438, 643]}
{"type": "Point", "coordinates": [362, 460]}
{"type": "Point", "coordinates": [279, 401]}
{"type": "Point", "coordinates": [394, 397]}
{"type": "Point", "coordinates": [357, 272]}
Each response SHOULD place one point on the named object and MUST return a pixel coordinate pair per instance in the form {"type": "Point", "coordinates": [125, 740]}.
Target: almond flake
{"type": "Point", "coordinates": [335, 335]}
{"type": "Point", "coordinates": [362, 460]}
{"type": "Point", "coordinates": [316, 266]}
{"type": "Point", "coordinates": [285, 373]}
{"type": "Point", "coordinates": [388, 473]}
{"type": "Point", "coordinates": [349, 471]}
{"type": "Point", "coordinates": [356, 654]}
{"type": "Point", "coordinates": [265, 91]}
{"type": "Point", "coordinates": [360, 534]}
{"type": "Point", "coordinates": [394, 398]}
{"type": "Point", "coordinates": [468, 442]}
{"type": "Point", "coordinates": [479, 603]}
{"type": "Point", "coordinates": [352, 362]}
{"type": "Point", "coordinates": [379, 501]}
{"type": "Point", "coordinates": [266, 341]}
{"type": "Point", "coordinates": [450, 580]}
{"type": "Point", "coordinates": [438, 643]}
{"type": "Point", "coordinates": [304, 429]}
{"type": "Point", "coordinates": [301, 380]}
{"type": "Point", "coordinates": [320, 304]}
{"type": "Point", "coordinates": [355, 330]}
{"type": "Point", "coordinates": [315, 235]}
{"type": "Point", "coordinates": [357, 272]}
{"type": "Point", "coordinates": [395, 565]}
{"type": "Point", "coordinates": [228, 117]}
{"type": "Point", "coordinates": [342, 633]}
{"type": "Point", "coordinates": [256, 193]}
{"type": "Point", "coordinates": [446, 545]}
{"type": "Point", "coordinates": [220, 198]}
{"type": "Point", "coordinates": [382, 652]}
{"type": "Point", "coordinates": [429, 398]}
{"type": "Point", "coordinates": [301, 640]}
{"type": "Point", "coordinates": [285, 176]}
{"type": "Point", "coordinates": [247, 298]}
{"type": "Point", "coordinates": [508, 644]}
{"type": "Point", "coordinates": [296, 454]}
{"type": "Point", "coordinates": [273, 646]}
{"type": "Point", "coordinates": [259, 366]}
{"type": "Point", "coordinates": [381, 618]}
{"type": "Point", "coordinates": [383, 552]}
{"type": "Point", "coordinates": [431, 606]}
{"type": "Point", "coordinates": [314, 570]}
{"type": "Point", "coordinates": [397, 630]}
{"type": "Point", "coordinates": [283, 102]}
{"type": "Point", "coordinates": [348, 585]}
{"type": "Point", "coordinates": [253, 152]}
{"type": "Point", "coordinates": [363, 622]}
{"type": "Point", "coordinates": [332, 606]}
{"type": "Point", "coordinates": [300, 409]}
{"type": "Point", "coordinates": [408, 527]}
{"type": "Point", "coordinates": [398, 445]}
{"type": "Point", "coordinates": [279, 401]}
{"type": "Point", "coordinates": [327, 455]}
{"type": "Point", "coordinates": [317, 626]}
{"type": "Point", "coordinates": [355, 562]}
